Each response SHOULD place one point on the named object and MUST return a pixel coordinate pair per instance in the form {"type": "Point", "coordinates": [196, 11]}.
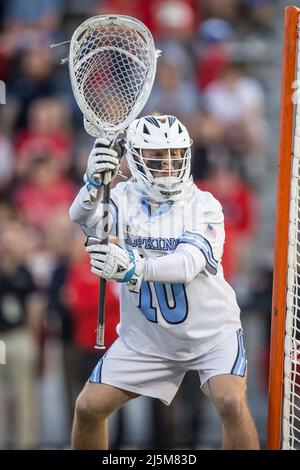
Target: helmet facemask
{"type": "Point", "coordinates": [162, 160]}
{"type": "Point", "coordinates": [164, 169]}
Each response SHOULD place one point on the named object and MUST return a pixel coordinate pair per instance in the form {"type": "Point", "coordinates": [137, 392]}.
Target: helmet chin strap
{"type": "Point", "coordinates": [162, 194]}
{"type": "Point", "coordinates": [157, 196]}
{"type": "Point", "coordinates": [167, 183]}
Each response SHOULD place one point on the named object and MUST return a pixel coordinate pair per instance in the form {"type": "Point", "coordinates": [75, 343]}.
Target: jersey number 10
{"type": "Point", "coordinates": [174, 314]}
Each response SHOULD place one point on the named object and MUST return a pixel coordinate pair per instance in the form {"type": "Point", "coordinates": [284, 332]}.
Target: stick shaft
{"type": "Point", "coordinates": [102, 287]}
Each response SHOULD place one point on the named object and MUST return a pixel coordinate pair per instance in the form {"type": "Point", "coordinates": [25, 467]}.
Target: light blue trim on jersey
{"type": "Point", "coordinates": [162, 209]}
{"type": "Point", "coordinates": [145, 207]}
{"type": "Point", "coordinates": [240, 363]}
{"type": "Point", "coordinates": [204, 246]}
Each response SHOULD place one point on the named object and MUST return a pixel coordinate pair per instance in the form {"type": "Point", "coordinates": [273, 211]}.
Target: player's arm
{"type": "Point", "coordinates": [193, 255]}
{"type": "Point", "coordinates": [181, 267]}
{"type": "Point", "coordinates": [113, 262]}
{"type": "Point", "coordinates": [197, 251]}
{"type": "Point", "coordinates": [102, 166]}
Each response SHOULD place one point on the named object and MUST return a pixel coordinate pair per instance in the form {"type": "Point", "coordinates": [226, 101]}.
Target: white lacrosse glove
{"type": "Point", "coordinates": [102, 166]}
{"type": "Point", "coordinates": [113, 262]}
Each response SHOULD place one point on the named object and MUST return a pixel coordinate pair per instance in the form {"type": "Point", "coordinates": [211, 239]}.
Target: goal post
{"type": "Point", "coordinates": [284, 376]}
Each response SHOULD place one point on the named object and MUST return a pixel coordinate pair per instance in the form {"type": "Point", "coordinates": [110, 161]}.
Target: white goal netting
{"type": "Point", "coordinates": [291, 402]}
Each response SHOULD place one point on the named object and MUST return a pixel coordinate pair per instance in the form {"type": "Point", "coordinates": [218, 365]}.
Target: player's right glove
{"type": "Point", "coordinates": [114, 262]}
{"type": "Point", "coordinates": [102, 160]}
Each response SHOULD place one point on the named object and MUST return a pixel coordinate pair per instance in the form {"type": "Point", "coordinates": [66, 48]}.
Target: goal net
{"type": "Point", "coordinates": [284, 390]}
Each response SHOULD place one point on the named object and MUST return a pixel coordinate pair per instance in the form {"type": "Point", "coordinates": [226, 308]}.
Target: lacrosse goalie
{"type": "Point", "coordinates": [177, 311]}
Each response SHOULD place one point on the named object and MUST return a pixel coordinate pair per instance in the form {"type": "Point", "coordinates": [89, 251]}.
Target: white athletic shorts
{"type": "Point", "coordinates": [159, 377]}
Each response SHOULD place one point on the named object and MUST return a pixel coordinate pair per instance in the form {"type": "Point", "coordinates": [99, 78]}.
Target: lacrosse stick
{"type": "Point", "coordinates": [112, 64]}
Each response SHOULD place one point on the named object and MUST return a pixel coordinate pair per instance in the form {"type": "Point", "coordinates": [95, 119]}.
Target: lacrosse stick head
{"type": "Point", "coordinates": [112, 64]}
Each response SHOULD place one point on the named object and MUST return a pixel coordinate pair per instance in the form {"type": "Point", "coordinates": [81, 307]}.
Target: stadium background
{"type": "Point", "coordinates": [220, 74]}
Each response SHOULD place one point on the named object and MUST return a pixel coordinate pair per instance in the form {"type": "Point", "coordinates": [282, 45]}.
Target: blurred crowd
{"type": "Point", "coordinates": [46, 289]}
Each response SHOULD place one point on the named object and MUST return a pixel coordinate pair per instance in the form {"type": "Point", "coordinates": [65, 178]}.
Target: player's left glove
{"type": "Point", "coordinates": [113, 262]}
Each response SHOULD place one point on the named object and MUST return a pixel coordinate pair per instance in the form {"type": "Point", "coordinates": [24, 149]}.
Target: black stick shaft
{"type": "Point", "coordinates": [102, 288]}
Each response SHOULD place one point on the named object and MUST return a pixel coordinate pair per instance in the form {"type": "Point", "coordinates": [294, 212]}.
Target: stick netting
{"type": "Point", "coordinates": [111, 64]}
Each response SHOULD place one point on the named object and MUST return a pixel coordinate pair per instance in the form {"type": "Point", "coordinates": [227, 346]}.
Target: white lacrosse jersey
{"type": "Point", "coordinates": [175, 321]}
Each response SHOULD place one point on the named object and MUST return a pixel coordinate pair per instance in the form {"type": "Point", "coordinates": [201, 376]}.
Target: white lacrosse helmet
{"type": "Point", "coordinates": [159, 156]}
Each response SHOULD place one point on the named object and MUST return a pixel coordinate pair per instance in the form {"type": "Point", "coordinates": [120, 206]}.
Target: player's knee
{"type": "Point", "coordinates": [230, 406]}
{"type": "Point", "coordinates": [87, 409]}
